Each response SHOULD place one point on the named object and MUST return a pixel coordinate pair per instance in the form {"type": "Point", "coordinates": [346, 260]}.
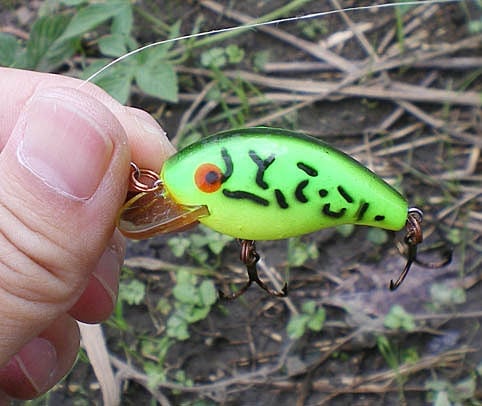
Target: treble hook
{"type": "Point", "coordinates": [414, 237]}
{"type": "Point", "coordinates": [250, 258]}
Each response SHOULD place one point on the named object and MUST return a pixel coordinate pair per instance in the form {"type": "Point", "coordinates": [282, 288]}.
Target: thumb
{"type": "Point", "coordinates": [63, 178]}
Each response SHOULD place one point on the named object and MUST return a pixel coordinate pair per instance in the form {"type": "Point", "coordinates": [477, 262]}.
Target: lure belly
{"type": "Point", "coordinates": [265, 184]}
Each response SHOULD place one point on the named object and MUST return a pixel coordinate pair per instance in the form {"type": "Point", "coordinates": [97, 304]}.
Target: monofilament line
{"type": "Point", "coordinates": [260, 24]}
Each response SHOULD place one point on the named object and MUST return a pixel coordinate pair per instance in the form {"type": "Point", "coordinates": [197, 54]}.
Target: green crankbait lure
{"type": "Point", "coordinates": [265, 184]}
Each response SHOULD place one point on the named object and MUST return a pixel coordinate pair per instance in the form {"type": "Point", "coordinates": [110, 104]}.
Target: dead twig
{"type": "Point", "coordinates": [95, 346]}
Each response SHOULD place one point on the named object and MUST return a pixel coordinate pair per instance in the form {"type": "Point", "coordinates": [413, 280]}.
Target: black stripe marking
{"type": "Point", "coordinates": [241, 194]}
{"type": "Point", "coordinates": [362, 209]}
{"type": "Point", "coordinates": [335, 214]}
{"type": "Point", "coordinates": [323, 192]}
{"type": "Point", "coordinates": [262, 165]}
{"type": "Point", "coordinates": [281, 199]}
{"type": "Point", "coordinates": [229, 164]}
{"type": "Point", "coordinates": [344, 194]}
{"type": "Point", "coordinates": [379, 217]}
{"type": "Point", "coordinates": [300, 196]}
{"type": "Point", "coordinates": [307, 169]}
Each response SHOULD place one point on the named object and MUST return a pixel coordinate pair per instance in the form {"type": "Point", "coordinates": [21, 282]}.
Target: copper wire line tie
{"type": "Point", "coordinates": [137, 177]}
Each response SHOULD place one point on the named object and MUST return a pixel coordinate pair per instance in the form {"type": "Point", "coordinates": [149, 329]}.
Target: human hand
{"type": "Point", "coordinates": [64, 165]}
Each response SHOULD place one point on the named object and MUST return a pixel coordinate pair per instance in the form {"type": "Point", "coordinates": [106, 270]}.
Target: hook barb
{"type": "Point", "coordinates": [413, 237]}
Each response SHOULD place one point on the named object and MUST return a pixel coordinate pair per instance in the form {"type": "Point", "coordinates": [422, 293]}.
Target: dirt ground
{"type": "Point", "coordinates": [407, 108]}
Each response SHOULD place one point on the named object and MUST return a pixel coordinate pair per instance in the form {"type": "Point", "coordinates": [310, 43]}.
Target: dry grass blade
{"type": "Point", "coordinates": [94, 344]}
{"type": "Point", "coordinates": [395, 91]}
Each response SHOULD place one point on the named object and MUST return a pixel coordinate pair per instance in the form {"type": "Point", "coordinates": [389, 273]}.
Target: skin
{"type": "Point", "coordinates": [60, 254]}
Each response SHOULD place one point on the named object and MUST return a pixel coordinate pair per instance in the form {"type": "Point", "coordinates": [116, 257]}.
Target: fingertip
{"type": "Point", "coordinates": [30, 370]}
{"type": "Point", "coordinates": [98, 300]}
{"type": "Point", "coordinates": [42, 362]}
{"type": "Point", "coordinates": [149, 144]}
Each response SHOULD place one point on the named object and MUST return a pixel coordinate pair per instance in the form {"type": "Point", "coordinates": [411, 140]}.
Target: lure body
{"type": "Point", "coordinates": [265, 184]}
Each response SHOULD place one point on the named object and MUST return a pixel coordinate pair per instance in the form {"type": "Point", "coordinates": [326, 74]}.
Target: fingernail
{"type": "Point", "coordinates": [63, 144]}
{"type": "Point", "coordinates": [37, 360]}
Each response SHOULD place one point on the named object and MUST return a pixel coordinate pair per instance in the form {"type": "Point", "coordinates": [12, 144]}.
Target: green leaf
{"type": "Point", "coordinates": [261, 58]}
{"type": "Point", "coordinates": [297, 326]}
{"type": "Point", "coordinates": [174, 32]}
{"type": "Point", "coordinates": [479, 369]}
{"type": "Point", "coordinates": [184, 277]}
{"type": "Point", "coordinates": [158, 79]}
{"type": "Point", "coordinates": [86, 19]}
{"type": "Point", "coordinates": [176, 327]}
{"type": "Point", "coordinates": [398, 318]}
{"type": "Point", "coordinates": [132, 292]}
{"type": "Point", "coordinates": [443, 295]}
{"type": "Point", "coordinates": [217, 242]}
{"type": "Point", "coordinates": [113, 45]}
{"type": "Point", "coordinates": [178, 246]}
{"type": "Point", "coordinates": [44, 50]}
{"type": "Point", "coordinates": [441, 399]}
{"type": "Point", "coordinates": [156, 347]}
{"type": "Point", "coordinates": [122, 22]}
{"type": "Point", "coordinates": [458, 295]}
{"type": "Point", "coordinates": [72, 3]}
{"type": "Point", "coordinates": [377, 236]}
{"type": "Point", "coordinates": [197, 314]}
{"type": "Point", "coordinates": [410, 356]}
{"type": "Point", "coordinates": [155, 374]}
{"type": "Point", "coordinates": [436, 385]}
{"type": "Point", "coordinates": [185, 293]}
{"type": "Point", "coordinates": [383, 346]}
{"type": "Point", "coordinates": [207, 293]}
{"type": "Point", "coordinates": [313, 29]}
{"type": "Point", "coordinates": [8, 49]}
{"type": "Point", "coordinates": [118, 86]}
{"type": "Point", "coordinates": [116, 80]}
{"type": "Point", "coordinates": [345, 229]}
{"type": "Point", "coordinates": [163, 306]}
{"type": "Point", "coordinates": [189, 139]}
{"type": "Point", "coordinates": [475, 26]}
{"type": "Point", "coordinates": [299, 252]}
{"type": "Point", "coordinates": [308, 307]}
{"type": "Point", "coordinates": [214, 57]}
{"type": "Point", "coordinates": [455, 236]}
{"type": "Point", "coordinates": [234, 53]}
{"type": "Point", "coordinates": [118, 316]}
{"type": "Point", "coordinates": [317, 320]}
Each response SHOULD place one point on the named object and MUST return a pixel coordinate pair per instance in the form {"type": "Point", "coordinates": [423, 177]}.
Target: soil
{"type": "Point", "coordinates": [241, 353]}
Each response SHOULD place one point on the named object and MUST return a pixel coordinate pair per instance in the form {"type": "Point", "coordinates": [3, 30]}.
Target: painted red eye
{"type": "Point", "coordinates": [208, 178]}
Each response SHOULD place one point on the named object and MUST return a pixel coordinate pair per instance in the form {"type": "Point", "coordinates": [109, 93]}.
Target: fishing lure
{"type": "Point", "coordinates": [264, 184]}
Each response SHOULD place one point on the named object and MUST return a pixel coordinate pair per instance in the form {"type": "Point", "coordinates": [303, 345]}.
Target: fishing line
{"type": "Point", "coordinates": [259, 24]}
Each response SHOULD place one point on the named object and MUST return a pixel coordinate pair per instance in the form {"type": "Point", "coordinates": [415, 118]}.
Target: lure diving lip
{"type": "Point", "coordinates": [152, 213]}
